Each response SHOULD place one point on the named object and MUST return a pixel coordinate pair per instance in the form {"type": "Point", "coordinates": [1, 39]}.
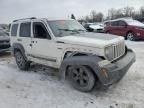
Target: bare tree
{"type": "Point", "coordinates": [87, 19]}
{"type": "Point", "coordinates": [96, 17]}
{"type": "Point", "coordinates": [128, 11]}
{"type": "Point", "coordinates": [115, 13]}
{"type": "Point", "coordinates": [73, 17]}
{"type": "Point", "coordinates": [93, 15]}
{"type": "Point", "coordinates": [99, 17]}
{"type": "Point", "coordinates": [111, 13]}
{"type": "Point", "coordinates": [142, 11]}
{"type": "Point", "coordinates": [119, 13]}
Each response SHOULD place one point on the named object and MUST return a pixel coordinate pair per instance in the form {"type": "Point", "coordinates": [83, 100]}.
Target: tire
{"type": "Point", "coordinates": [131, 36]}
{"type": "Point", "coordinates": [90, 29]}
{"type": "Point", "coordinates": [22, 63]}
{"type": "Point", "coordinates": [81, 78]}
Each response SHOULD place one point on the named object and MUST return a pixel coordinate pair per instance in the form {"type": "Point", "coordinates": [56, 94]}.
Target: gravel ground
{"type": "Point", "coordinates": [40, 87]}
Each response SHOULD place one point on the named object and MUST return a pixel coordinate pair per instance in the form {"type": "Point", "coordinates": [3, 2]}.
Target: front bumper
{"type": "Point", "coordinates": [4, 50]}
{"type": "Point", "coordinates": [4, 47]}
{"type": "Point", "coordinates": [99, 30]}
{"type": "Point", "coordinates": [117, 69]}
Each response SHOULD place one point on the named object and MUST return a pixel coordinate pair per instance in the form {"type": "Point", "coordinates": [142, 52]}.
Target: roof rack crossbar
{"type": "Point", "coordinates": [24, 19]}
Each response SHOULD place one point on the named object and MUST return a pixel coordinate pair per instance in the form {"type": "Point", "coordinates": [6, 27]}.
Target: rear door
{"type": "Point", "coordinates": [24, 36]}
{"type": "Point", "coordinates": [13, 33]}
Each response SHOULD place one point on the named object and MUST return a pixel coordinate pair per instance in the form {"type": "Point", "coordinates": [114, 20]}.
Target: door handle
{"type": "Point", "coordinates": [30, 45]}
{"type": "Point", "coordinates": [34, 41]}
{"type": "Point", "coordinates": [19, 39]}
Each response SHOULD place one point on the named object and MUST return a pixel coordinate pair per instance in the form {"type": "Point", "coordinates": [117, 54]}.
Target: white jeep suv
{"type": "Point", "coordinates": [83, 58]}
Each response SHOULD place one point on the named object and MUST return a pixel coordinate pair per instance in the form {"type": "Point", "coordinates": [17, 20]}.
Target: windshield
{"type": "Point", "coordinates": [65, 27]}
{"type": "Point", "coordinates": [134, 22]}
{"type": "Point", "coordinates": [3, 34]}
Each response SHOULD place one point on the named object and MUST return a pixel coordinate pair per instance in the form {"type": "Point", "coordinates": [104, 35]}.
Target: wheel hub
{"type": "Point", "coordinates": [80, 76]}
{"type": "Point", "coordinates": [130, 36]}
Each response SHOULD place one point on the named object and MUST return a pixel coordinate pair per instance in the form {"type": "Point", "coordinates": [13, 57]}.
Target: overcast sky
{"type": "Point", "coordinates": [15, 9]}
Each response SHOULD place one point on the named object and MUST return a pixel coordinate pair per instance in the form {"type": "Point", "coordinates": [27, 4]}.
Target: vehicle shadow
{"type": "Point", "coordinates": [45, 72]}
{"type": "Point", "coordinates": [51, 73]}
{"type": "Point", "coordinates": [102, 91]}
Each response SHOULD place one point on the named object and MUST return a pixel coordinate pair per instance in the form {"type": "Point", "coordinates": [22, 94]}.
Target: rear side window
{"type": "Point", "coordinates": [25, 29]}
{"type": "Point", "coordinates": [14, 29]}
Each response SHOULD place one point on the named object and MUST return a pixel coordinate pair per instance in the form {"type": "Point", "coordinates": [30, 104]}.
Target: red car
{"type": "Point", "coordinates": [129, 28]}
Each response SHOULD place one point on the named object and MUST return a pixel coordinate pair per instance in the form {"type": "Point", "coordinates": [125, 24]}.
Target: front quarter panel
{"type": "Point", "coordinates": [81, 49]}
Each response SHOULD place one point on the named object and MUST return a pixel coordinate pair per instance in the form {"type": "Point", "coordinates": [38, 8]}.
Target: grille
{"type": "Point", "coordinates": [4, 46]}
{"type": "Point", "coordinates": [118, 50]}
{"type": "Point", "coordinates": [4, 41]}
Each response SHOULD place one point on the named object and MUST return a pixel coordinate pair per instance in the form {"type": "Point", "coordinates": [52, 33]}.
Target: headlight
{"type": "Point", "coordinates": [108, 52]}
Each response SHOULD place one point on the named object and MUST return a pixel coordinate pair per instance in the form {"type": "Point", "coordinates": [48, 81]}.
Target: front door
{"type": "Point", "coordinates": [114, 28]}
{"type": "Point", "coordinates": [122, 28]}
{"type": "Point", "coordinates": [43, 47]}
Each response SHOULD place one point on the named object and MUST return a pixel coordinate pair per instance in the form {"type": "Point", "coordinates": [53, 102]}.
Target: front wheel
{"type": "Point", "coordinates": [131, 36]}
{"type": "Point", "coordinates": [81, 78]}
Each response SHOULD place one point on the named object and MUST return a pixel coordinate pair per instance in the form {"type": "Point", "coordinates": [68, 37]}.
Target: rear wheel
{"type": "Point", "coordinates": [81, 78]}
{"type": "Point", "coordinates": [131, 36]}
{"type": "Point", "coordinates": [22, 63]}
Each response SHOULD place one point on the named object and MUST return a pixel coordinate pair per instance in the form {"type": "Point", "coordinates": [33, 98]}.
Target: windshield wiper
{"type": "Point", "coordinates": [79, 30]}
{"type": "Point", "coordinates": [72, 31]}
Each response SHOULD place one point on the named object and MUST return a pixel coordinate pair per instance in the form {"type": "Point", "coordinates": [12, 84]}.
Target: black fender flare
{"type": "Point", "coordinates": [90, 61]}
{"type": "Point", "coordinates": [18, 46]}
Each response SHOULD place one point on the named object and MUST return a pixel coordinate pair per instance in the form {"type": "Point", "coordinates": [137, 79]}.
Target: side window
{"type": "Point", "coordinates": [40, 31]}
{"type": "Point", "coordinates": [115, 23]}
{"type": "Point", "coordinates": [122, 23]}
{"type": "Point", "coordinates": [14, 29]}
{"type": "Point", "coordinates": [25, 29]}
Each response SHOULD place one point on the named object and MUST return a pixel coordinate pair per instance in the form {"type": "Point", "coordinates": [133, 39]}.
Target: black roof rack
{"type": "Point", "coordinates": [24, 19]}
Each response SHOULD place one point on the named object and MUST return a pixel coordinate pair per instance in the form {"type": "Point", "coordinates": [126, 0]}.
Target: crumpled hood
{"type": "Point", "coordinates": [91, 39]}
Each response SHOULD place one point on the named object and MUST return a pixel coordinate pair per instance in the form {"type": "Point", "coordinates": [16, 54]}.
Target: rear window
{"type": "Point", "coordinates": [14, 29]}
{"type": "Point", "coordinates": [25, 29]}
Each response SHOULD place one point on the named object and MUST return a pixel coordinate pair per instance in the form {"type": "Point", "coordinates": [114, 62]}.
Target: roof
{"type": "Point", "coordinates": [125, 19]}
{"type": "Point", "coordinates": [140, 19]}
{"type": "Point", "coordinates": [34, 19]}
